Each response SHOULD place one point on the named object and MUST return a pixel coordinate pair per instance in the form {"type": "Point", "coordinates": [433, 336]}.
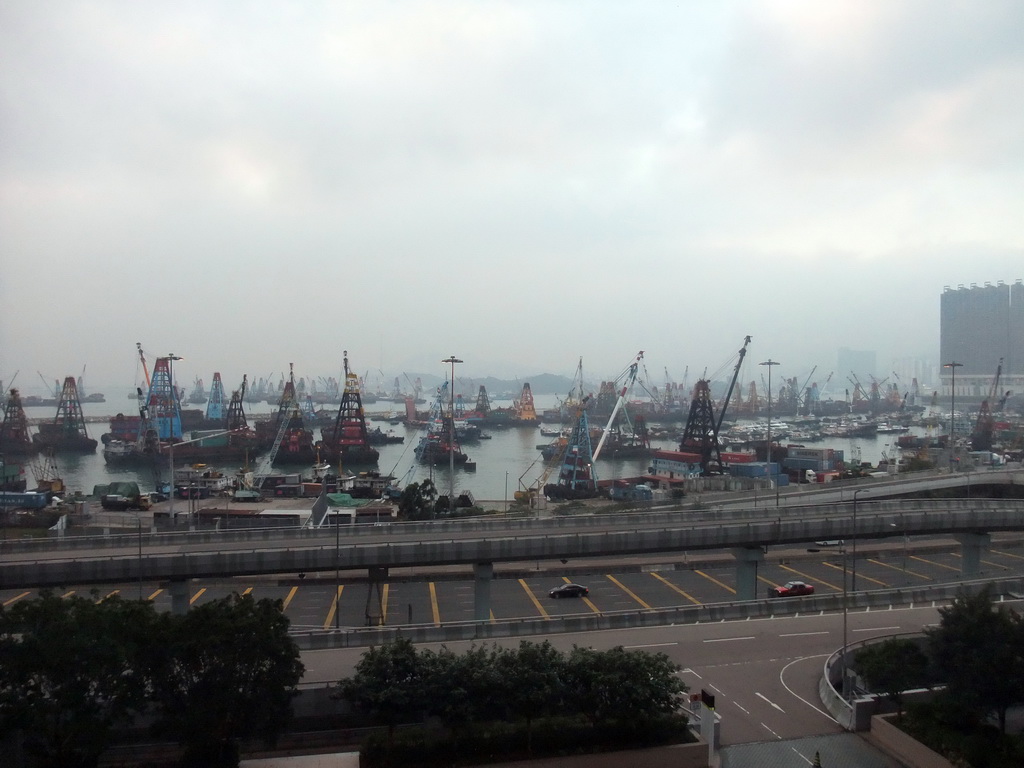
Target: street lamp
{"type": "Point", "coordinates": [853, 580]}
{"type": "Point", "coordinates": [768, 452]}
{"type": "Point", "coordinates": [337, 569]}
{"type": "Point", "coordinates": [452, 360]}
{"type": "Point", "coordinates": [952, 409]}
{"type": "Point", "coordinates": [505, 504]}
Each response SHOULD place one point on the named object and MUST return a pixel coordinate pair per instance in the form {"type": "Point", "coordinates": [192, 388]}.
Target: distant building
{"type": "Point", "coordinates": [979, 326]}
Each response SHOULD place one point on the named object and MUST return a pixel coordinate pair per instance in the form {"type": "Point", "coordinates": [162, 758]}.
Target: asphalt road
{"type": "Point", "coordinates": [763, 673]}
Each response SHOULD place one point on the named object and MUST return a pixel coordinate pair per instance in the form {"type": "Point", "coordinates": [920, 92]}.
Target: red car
{"type": "Point", "coordinates": [791, 589]}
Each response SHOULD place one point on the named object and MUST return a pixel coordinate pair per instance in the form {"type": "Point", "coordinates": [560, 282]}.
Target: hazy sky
{"type": "Point", "coordinates": [516, 183]}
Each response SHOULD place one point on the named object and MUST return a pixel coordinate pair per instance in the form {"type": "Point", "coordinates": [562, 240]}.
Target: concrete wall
{"type": "Point", "coordinates": [899, 745]}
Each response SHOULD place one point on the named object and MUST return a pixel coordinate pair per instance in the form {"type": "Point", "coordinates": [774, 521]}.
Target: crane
{"type": "Point", "coordinates": [981, 437]}
{"type": "Point", "coordinates": [630, 377]}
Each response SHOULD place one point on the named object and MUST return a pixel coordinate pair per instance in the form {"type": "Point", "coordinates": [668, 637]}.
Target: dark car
{"type": "Point", "coordinates": [791, 589]}
{"type": "Point", "coordinates": [569, 590]}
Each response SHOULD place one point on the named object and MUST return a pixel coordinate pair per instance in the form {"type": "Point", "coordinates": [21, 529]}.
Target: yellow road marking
{"type": "Point", "coordinates": [154, 594]}
{"type": "Point", "coordinates": [66, 594]}
{"type": "Point", "coordinates": [670, 585]}
{"type": "Point", "coordinates": [713, 580]}
{"type": "Point", "coordinates": [288, 599]}
{"type": "Point", "coordinates": [811, 578]}
{"type": "Point", "coordinates": [533, 598]}
{"type": "Point", "coordinates": [987, 562]}
{"type": "Point", "coordinates": [932, 562]}
{"type": "Point", "coordinates": [1006, 554]}
{"type": "Point", "coordinates": [586, 600]}
{"type": "Point", "coordinates": [433, 604]}
{"type": "Point", "coordinates": [859, 575]}
{"type": "Point", "coordinates": [901, 570]}
{"type": "Point", "coordinates": [109, 594]}
{"type": "Point", "coordinates": [16, 599]}
{"type": "Point", "coordinates": [196, 596]}
{"type": "Point", "coordinates": [769, 582]}
{"type": "Point", "coordinates": [384, 605]}
{"type": "Point", "coordinates": [334, 606]}
{"type": "Point", "coordinates": [247, 591]}
{"type": "Point", "coordinates": [626, 589]}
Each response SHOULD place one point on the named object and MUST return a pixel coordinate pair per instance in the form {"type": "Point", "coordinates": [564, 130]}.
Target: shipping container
{"type": "Point", "coordinates": [27, 500]}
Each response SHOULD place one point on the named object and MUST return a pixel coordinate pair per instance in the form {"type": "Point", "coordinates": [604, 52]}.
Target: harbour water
{"type": "Point", "coordinates": [506, 462]}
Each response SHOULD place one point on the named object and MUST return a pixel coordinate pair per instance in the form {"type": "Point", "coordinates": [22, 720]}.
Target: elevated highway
{"type": "Point", "coordinates": [375, 549]}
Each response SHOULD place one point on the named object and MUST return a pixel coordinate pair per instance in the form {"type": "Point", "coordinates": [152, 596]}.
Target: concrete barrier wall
{"type": "Point", "coordinates": [903, 747]}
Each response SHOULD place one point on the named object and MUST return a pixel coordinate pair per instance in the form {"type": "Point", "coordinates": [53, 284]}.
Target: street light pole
{"type": "Point", "coordinates": [953, 365]}
{"type": "Point", "coordinates": [853, 580]}
{"type": "Point", "coordinates": [846, 665]}
{"type": "Point", "coordinates": [768, 452]}
{"type": "Point", "coordinates": [452, 360]}
{"type": "Point", "coordinates": [337, 569]}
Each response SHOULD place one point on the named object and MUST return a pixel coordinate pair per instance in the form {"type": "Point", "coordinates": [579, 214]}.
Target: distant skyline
{"type": "Point", "coordinates": [518, 184]}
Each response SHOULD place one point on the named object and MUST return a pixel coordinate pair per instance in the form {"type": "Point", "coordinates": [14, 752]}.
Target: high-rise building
{"type": "Point", "coordinates": [979, 327]}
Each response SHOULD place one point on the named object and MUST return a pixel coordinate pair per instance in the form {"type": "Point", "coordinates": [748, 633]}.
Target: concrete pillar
{"type": "Point", "coordinates": [180, 597]}
{"type": "Point", "coordinates": [971, 546]}
{"type": "Point", "coordinates": [746, 571]}
{"type": "Point", "coordinates": [482, 575]}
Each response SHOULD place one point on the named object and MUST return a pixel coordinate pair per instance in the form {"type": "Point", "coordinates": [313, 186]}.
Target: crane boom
{"type": "Point", "coordinates": [630, 378]}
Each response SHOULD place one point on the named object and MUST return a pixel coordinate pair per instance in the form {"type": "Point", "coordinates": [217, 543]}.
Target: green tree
{"type": "Point", "coordinates": [607, 685]}
{"type": "Point", "coordinates": [979, 650]}
{"type": "Point", "coordinates": [893, 666]}
{"type": "Point", "coordinates": [388, 685]}
{"type": "Point", "coordinates": [229, 674]}
{"type": "Point", "coordinates": [463, 689]}
{"type": "Point", "coordinates": [417, 501]}
{"type": "Point", "coordinates": [532, 682]}
{"type": "Point", "coordinates": [71, 670]}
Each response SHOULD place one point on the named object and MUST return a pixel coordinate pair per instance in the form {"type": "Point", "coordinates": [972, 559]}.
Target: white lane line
{"type": "Point", "coordinates": [874, 629]}
{"type": "Point", "coordinates": [690, 671]}
{"type": "Point", "coordinates": [745, 711]}
{"type": "Point", "coordinates": [728, 639]}
{"type": "Point", "coordinates": [806, 759]}
{"type": "Point", "coordinates": [773, 733]}
{"type": "Point", "coordinates": [650, 645]}
{"type": "Point", "coordinates": [714, 688]}
{"type": "Point", "coordinates": [782, 680]}
{"type": "Point", "coordinates": [762, 696]}
{"type": "Point", "coordinates": [804, 634]}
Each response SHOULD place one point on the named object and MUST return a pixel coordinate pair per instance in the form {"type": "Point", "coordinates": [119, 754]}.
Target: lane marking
{"type": "Point", "coordinates": [744, 710]}
{"type": "Point", "coordinates": [805, 634]}
{"type": "Point", "coordinates": [715, 688]}
{"type": "Point", "coordinates": [384, 605]}
{"type": "Point", "coordinates": [108, 595]}
{"type": "Point", "coordinates": [151, 597]}
{"type": "Point", "coordinates": [334, 607]}
{"type": "Point", "coordinates": [287, 600]}
{"type": "Point", "coordinates": [670, 585]}
{"type": "Point", "coordinates": [433, 604]}
{"type": "Point", "coordinates": [932, 562]}
{"type": "Point", "coordinates": [713, 580]}
{"type": "Point", "coordinates": [986, 562]}
{"type": "Point", "coordinates": [762, 696]}
{"type": "Point", "coordinates": [901, 570]}
{"type": "Point", "coordinates": [196, 596]}
{"type": "Point", "coordinates": [859, 575]}
{"type": "Point", "coordinates": [806, 759]}
{"type": "Point", "coordinates": [15, 599]}
{"type": "Point", "coordinates": [728, 639]}
{"type": "Point", "coordinates": [626, 589]}
{"type": "Point", "coordinates": [533, 599]}
{"type": "Point", "coordinates": [811, 578]}
{"type": "Point", "coordinates": [793, 693]}
{"type": "Point", "coordinates": [874, 629]}
{"type": "Point", "coordinates": [651, 645]}
{"type": "Point", "coordinates": [684, 671]}
{"type": "Point", "coordinates": [66, 594]}
{"type": "Point", "coordinates": [586, 600]}
{"type": "Point", "coordinates": [1006, 554]}
{"type": "Point", "coordinates": [773, 733]}
{"type": "Point", "coordinates": [247, 591]}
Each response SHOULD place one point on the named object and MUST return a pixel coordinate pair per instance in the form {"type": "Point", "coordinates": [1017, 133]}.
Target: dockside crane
{"type": "Point", "coordinates": [981, 437]}
{"type": "Point", "coordinates": [630, 377]}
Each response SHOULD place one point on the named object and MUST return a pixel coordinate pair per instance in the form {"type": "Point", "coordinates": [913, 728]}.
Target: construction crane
{"type": "Point", "coordinates": [981, 437]}
{"type": "Point", "coordinates": [630, 377]}
{"type": "Point", "coordinates": [142, 359]}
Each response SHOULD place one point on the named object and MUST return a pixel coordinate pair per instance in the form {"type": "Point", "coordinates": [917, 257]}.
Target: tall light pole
{"type": "Point", "coordinates": [452, 360]}
{"type": "Point", "coordinates": [953, 365]}
{"type": "Point", "coordinates": [337, 569]}
{"type": "Point", "coordinates": [170, 452]}
{"type": "Point", "coordinates": [853, 581]}
{"type": "Point", "coordinates": [768, 453]}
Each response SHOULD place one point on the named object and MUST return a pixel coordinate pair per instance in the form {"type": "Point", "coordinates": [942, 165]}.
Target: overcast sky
{"type": "Point", "coordinates": [519, 184]}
